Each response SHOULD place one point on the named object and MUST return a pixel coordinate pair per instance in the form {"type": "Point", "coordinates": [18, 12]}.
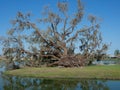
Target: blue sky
{"type": "Point", "coordinates": [108, 10]}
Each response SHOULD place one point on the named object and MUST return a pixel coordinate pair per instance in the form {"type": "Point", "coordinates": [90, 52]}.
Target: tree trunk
{"type": "Point", "coordinates": [65, 53]}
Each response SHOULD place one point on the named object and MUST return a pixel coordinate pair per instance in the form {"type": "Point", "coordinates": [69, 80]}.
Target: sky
{"type": "Point", "coordinates": [108, 10]}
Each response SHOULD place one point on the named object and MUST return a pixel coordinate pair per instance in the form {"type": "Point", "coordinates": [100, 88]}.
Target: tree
{"type": "Point", "coordinates": [59, 37]}
{"type": "Point", "coordinates": [116, 52]}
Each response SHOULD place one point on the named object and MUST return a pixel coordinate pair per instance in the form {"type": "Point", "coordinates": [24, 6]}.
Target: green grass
{"type": "Point", "coordinates": [88, 72]}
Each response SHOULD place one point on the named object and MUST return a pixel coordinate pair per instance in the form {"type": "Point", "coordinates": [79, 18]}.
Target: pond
{"type": "Point", "coordinates": [27, 83]}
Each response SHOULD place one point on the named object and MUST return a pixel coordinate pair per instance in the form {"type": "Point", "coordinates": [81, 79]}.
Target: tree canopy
{"type": "Point", "coordinates": [55, 35]}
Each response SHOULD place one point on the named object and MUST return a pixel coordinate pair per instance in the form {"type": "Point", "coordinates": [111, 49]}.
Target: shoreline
{"type": "Point", "coordinates": [108, 72]}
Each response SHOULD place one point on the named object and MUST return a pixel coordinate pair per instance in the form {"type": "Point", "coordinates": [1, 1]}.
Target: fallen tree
{"type": "Point", "coordinates": [70, 61]}
{"type": "Point", "coordinates": [60, 38]}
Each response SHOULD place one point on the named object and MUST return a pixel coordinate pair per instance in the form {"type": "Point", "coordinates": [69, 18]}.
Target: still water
{"type": "Point", "coordinates": [26, 83]}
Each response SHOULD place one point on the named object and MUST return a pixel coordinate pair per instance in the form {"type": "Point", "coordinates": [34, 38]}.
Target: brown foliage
{"type": "Point", "coordinates": [59, 38]}
{"type": "Point", "coordinates": [70, 61]}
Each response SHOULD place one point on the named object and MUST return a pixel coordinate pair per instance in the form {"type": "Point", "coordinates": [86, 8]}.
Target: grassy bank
{"type": "Point", "coordinates": [90, 72]}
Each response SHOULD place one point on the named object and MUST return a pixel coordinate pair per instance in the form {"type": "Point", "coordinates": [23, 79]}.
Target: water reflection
{"type": "Point", "coordinates": [18, 83]}
{"type": "Point", "coordinates": [26, 83]}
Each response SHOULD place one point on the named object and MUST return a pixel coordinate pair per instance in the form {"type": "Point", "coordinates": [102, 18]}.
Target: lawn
{"type": "Point", "coordinates": [88, 72]}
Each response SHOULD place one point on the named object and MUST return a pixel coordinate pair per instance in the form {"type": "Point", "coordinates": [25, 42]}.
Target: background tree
{"type": "Point", "coordinates": [116, 52]}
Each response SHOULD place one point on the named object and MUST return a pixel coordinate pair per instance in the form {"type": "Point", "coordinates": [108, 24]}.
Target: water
{"type": "Point", "coordinates": [27, 83]}
{"type": "Point", "coordinates": [107, 62]}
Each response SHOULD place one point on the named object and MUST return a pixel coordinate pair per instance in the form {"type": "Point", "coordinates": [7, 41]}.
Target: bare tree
{"type": "Point", "coordinates": [92, 46]}
{"type": "Point", "coordinates": [59, 37]}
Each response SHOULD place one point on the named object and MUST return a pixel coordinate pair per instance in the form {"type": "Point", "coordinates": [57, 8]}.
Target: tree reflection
{"type": "Point", "coordinates": [94, 85]}
{"type": "Point", "coordinates": [18, 83]}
